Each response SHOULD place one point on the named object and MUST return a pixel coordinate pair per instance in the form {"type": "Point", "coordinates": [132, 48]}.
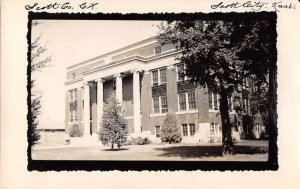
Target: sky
{"type": "Point", "coordinates": [73, 41]}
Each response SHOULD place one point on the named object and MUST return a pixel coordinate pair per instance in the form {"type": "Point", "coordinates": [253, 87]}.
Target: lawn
{"type": "Point", "coordinates": [244, 151]}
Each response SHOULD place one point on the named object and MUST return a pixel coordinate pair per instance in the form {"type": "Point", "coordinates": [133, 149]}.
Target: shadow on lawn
{"type": "Point", "coordinates": [207, 151]}
{"type": "Point", "coordinates": [115, 149]}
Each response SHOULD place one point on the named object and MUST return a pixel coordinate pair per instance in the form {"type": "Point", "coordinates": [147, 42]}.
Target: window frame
{"type": "Point", "coordinates": [187, 102]}
{"type": "Point", "coordinates": [192, 130]}
{"type": "Point", "coordinates": [160, 105]}
{"type": "Point", "coordinates": [159, 77]}
{"type": "Point", "coordinates": [188, 132]}
{"type": "Point", "coordinates": [185, 133]}
{"type": "Point", "coordinates": [153, 103]}
{"type": "Point", "coordinates": [211, 96]}
{"type": "Point", "coordinates": [157, 52]}
{"type": "Point", "coordinates": [214, 129]}
{"type": "Point", "coordinates": [177, 72]}
{"type": "Point", "coordinates": [73, 98]}
{"type": "Point", "coordinates": [157, 134]}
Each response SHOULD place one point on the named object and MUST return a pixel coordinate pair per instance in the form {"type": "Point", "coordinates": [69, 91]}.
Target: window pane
{"type": "Point", "coordinates": [75, 115]}
{"type": "Point", "coordinates": [210, 100]}
{"type": "Point", "coordinates": [212, 128]}
{"type": "Point", "coordinates": [155, 78]}
{"type": "Point", "coordinates": [163, 75]}
{"type": "Point", "coordinates": [75, 95]}
{"type": "Point", "coordinates": [180, 69]}
{"type": "Point", "coordinates": [157, 131]}
{"type": "Point", "coordinates": [71, 116]}
{"type": "Point", "coordinates": [164, 104]}
{"type": "Point", "coordinates": [71, 96]}
{"type": "Point", "coordinates": [192, 100]}
{"type": "Point", "coordinates": [156, 105]}
{"type": "Point", "coordinates": [192, 129]}
{"type": "Point", "coordinates": [157, 50]}
{"type": "Point", "coordinates": [215, 102]}
{"type": "Point", "coordinates": [184, 130]}
{"type": "Point", "coordinates": [216, 128]}
{"type": "Point", "coordinates": [182, 101]}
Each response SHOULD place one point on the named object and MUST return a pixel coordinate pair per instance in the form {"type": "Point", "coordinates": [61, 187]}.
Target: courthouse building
{"type": "Point", "coordinates": [147, 81]}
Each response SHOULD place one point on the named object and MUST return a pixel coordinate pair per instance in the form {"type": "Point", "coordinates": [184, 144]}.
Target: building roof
{"type": "Point", "coordinates": [112, 52]}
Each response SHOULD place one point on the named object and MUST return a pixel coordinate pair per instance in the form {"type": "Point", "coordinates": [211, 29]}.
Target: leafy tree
{"type": "Point", "coordinates": [35, 110]}
{"type": "Point", "coordinates": [221, 54]}
{"type": "Point", "coordinates": [170, 130]}
{"type": "Point", "coordinates": [38, 61]}
{"type": "Point", "coordinates": [113, 127]}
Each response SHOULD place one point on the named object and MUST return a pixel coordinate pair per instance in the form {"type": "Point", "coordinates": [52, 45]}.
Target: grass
{"type": "Point", "coordinates": [244, 151]}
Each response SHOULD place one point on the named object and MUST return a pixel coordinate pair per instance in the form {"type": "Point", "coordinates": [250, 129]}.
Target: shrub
{"type": "Point", "coordinates": [75, 131]}
{"type": "Point", "coordinates": [113, 128]}
{"type": "Point", "coordinates": [170, 131]}
{"type": "Point", "coordinates": [138, 141]}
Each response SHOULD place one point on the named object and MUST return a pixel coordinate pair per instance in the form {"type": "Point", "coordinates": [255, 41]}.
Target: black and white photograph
{"type": "Point", "coordinates": [149, 94]}
{"type": "Point", "coordinates": [189, 89]}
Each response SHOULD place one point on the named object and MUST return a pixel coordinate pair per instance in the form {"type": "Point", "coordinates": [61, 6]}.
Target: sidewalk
{"type": "Point", "coordinates": [74, 142]}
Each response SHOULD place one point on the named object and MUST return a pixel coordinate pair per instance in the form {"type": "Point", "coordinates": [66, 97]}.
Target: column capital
{"type": "Point", "coordinates": [100, 80]}
{"type": "Point", "coordinates": [118, 75]}
{"type": "Point", "coordinates": [136, 70]}
{"type": "Point", "coordinates": [85, 83]}
{"type": "Point", "coordinates": [171, 67]}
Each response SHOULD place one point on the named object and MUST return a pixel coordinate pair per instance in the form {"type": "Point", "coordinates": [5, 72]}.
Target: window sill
{"type": "Point", "coordinates": [218, 111]}
{"type": "Point", "coordinates": [187, 112]}
{"type": "Point", "coordinates": [158, 114]}
{"type": "Point", "coordinates": [74, 122]}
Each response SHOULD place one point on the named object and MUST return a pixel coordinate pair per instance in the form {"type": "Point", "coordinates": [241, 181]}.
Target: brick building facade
{"type": "Point", "coordinates": [147, 82]}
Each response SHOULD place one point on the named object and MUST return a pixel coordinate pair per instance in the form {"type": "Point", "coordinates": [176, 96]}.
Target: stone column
{"type": "Point", "coordinates": [86, 109]}
{"type": "Point", "coordinates": [99, 102]}
{"type": "Point", "coordinates": [136, 101]}
{"type": "Point", "coordinates": [119, 88]}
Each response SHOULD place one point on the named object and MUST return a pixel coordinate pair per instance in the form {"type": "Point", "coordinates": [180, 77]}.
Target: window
{"type": "Point", "coordinates": [157, 50]}
{"type": "Point", "coordinates": [187, 101]}
{"type": "Point", "coordinates": [214, 129]}
{"type": "Point", "coordinates": [156, 105]}
{"type": "Point", "coordinates": [188, 129]}
{"type": "Point", "coordinates": [73, 75]}
{"type": "Point", "coordinates": [182, 101]}
{"type": "Point", "coordinates": [180, 72]}
{"type": "Point", "coordinates": [159, 76]}
{"type": "Point", "coordinates": [230, 102]}
{"type": "Point", "coordinates": [155, 78]}
{"type": "Point", "coordinates": [213, 100]}
{"type": "Point", "coordinates": [164, 104]}
{"type": "Point", "coordinates": [192, 129]}
{"type": "Point", "coordinates": [71, 96]}
{"type": "Point", "coordinates": [163, 75]}
{"type": "Point", "coordinates": [73, 105]}
{"type": "Point", "coordinates": [160, 104]}
{"type": "Point", "coordinates": [245, 83]}
{"type": "Point", "coordinates": [157, 131]}
{"type": "Point", "coordinates": [71, 116]}
{"type": "Point", "coordinates": [191, 100]}
{"type": "Point", "coordinates": [246, 106]}
{"type": "Point", "coordinates": [184, 130]}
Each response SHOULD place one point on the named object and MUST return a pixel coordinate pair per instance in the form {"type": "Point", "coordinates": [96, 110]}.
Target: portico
{"type": "Point", "coordinates": [106, 85]}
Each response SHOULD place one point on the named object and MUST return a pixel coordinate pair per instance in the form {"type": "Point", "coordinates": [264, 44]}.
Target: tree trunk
{"type": "Point", "coordinates": [227, 141]}
{"type": "Point", "coordinates": [112, 146]}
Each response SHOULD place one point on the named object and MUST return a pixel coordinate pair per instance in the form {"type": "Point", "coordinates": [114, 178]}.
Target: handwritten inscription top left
{"type": "Point", "coordinates": [62, 6]}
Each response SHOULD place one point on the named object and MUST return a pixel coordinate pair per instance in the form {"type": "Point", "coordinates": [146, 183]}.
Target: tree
{"type": "Point", "coordinates": [39, 60]}
{"type": "Point", "coordinates": [170, 130]}
{"type": "Point", "coordinates": [113, 127]}
{"type": "Point", "coordinates": [221, 55]}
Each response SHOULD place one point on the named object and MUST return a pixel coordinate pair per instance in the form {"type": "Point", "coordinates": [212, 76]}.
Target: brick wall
{"type": "Point", "coordinates": [146, 101]}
